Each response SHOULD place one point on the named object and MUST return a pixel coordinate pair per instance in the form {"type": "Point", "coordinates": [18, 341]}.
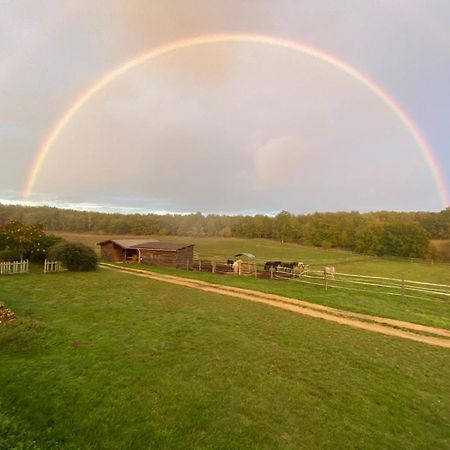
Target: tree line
{"type": "Point", "coordinates": [405, 234]}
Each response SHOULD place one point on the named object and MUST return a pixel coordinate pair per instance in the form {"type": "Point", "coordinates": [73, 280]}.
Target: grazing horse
{"type": "Point", "coordinates": [289, 265]}
{"type": "Point", "coordinates": [329, 272]}
{"type": "Point", "coordinates": [271, 265]}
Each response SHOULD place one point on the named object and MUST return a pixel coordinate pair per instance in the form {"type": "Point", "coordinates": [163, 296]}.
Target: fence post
{"type": "Point", "coordinates": [199, 264]}
{"type": "Point", "coordinates": [256, 272]}
{"type": "Point", "coordinates": [403, 285]}
{"type": "Point", "coordinates": [271, 273]}
{"type": "Point", "coordinates": [213, 265]}
{"type": "Point", "coordinates": [326, 281]}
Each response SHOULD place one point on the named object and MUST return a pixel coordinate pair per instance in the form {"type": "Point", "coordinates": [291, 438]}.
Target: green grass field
{"type": "Point", "coordinates": [433, 311]}
{"type": "Point", "coordinates": [428, 310]}
{"type": "Point", "coordinates": [108, 360]}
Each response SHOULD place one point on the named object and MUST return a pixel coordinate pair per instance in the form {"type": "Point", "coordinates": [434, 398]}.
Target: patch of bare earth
{"type": "Point", "coordinates": [391, 327]}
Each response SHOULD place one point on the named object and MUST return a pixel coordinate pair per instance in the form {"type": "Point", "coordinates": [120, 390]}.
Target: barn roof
{"type": "Point", "coordinates": [128, 243]}
{"type": "Point", "coordinates": [147, 244]}
{"type": "Point", "coordinates": [161, 246]}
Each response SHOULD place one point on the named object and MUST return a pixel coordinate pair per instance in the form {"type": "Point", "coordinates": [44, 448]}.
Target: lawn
{"type": "Point", "coordinates": [108, 360]}
{"type": "Point", "coordinates": [432, 310]}
{"type": "Point", "coordinates": [428, 310]}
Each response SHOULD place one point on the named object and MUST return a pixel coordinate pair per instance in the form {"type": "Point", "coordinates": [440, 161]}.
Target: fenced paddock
{"type": "Point", "coordinates": [385, 285]}
{"type": "Point", "coordinates": [14, 267]}
{"type": "Point", "coordinates": [342, 281]}
{"type": "Point", "coordinates": [215, 265]}
{"type": "Point", "coordinates": [53, 266]}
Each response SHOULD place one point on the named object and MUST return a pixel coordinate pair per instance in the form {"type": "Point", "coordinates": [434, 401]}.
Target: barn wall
{"type": "Point", "coordinates": [167, 258]}
{"type": "Point", "coordinates": [159, 257]}
{"type": "Point", "coordinates": [111, 252]}
{"type": "Point", "coordinates": [185, 257]}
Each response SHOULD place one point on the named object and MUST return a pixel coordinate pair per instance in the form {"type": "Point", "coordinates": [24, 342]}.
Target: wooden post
{"type": "Point", "coordinates": [326, 281]}
{"type": "Point", "coordinates": [139, 255]}
{"type": "Point", "coordinates": [254, 268]}
{"type": "Point", "coordinates": [213, 266]}
{"type": "Point", "coordinates": [240, 268]}
{"type": "Point", "coordinates": [199, 264]}
{"type": "Point", "coordinates": [271, 273]}
{"type": "Point", "coordinates": [403, 285]}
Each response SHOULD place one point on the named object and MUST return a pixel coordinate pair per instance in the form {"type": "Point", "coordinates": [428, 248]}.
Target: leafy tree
{"type": "Point", "coordinates": [369, 239]}
{"type": "Point", "coordinates": [75, 256]}
{"type": "Point", "coordinates": [405, 239]}
{"type": "Point", "coordinates": [25, 240]}
{"type": "Point", "coordinates": [284, 229]}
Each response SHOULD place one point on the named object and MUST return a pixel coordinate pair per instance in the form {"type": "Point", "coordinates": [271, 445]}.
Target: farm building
{"type": "Point", "coordinates": [148, 251]}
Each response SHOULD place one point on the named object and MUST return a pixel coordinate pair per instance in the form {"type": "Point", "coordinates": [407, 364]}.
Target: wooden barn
{"type": "Point", "coordinates": [148, 251]}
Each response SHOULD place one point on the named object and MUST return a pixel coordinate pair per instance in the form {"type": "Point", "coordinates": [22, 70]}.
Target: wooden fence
{"type": "Point", "coordinates": [215, 265]}
{"type": "Point", "coordinates": [53, 266]}
{"type": "Point", "coordinates": [345, 281]}
{"type": "Point", "coordinates": [13, 267]}
{"type": "Point", "coordinates": [386, 285]}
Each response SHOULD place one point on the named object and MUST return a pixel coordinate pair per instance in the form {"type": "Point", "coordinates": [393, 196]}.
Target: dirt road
{"type": "Point", "coordinates": [406, 330]}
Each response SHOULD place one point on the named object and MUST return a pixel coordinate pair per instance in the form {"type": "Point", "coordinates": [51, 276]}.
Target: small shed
{"type": "Point", "coordinates": [147, 251]}
{"type": "Point", "coordinates": [117, 250]}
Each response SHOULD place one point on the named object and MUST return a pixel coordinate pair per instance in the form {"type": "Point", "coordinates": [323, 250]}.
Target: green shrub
{"type": "Point", "coordinates": [9, 255]}
{"type": "Point", "coordinates": [75, 256]}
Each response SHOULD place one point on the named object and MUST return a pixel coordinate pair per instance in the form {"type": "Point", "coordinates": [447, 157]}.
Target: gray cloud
{"type": "Point", "coordinates": [224, 127]}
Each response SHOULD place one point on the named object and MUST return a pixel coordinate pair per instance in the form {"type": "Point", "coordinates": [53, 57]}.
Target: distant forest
{"type": "Point", "coordinates": [405, 234]}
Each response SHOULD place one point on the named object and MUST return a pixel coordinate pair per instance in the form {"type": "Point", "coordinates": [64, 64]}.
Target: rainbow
{"type": "Point", "coordinates": [62, 122]}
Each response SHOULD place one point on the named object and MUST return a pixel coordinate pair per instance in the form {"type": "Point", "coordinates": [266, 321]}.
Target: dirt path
{"type": "Point", "coordinates": [407, 330]}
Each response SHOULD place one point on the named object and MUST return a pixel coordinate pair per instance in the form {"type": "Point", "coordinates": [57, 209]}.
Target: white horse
{"type": "Point", "coordinates": [329, 272]}
{"type": "Point", "coordinates": [237, 266]}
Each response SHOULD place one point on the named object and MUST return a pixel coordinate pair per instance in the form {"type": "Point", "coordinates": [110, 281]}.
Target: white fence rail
{"type": "Point", "coordinates": [53, 266]}
{"type": "Point", "coordinates": [328, 278]}
{"type": "Point", "coordinates": [395, 286]}
{"type": "Point", "coordinates": [13, 267]}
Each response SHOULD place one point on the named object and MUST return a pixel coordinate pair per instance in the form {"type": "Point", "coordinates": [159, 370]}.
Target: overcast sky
{"type": "Point", "coordinates": [226, 127]}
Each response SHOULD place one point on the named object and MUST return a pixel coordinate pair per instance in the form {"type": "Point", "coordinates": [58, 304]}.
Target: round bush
{"type": "Point", "coordinates": [9, 255]}
{"type": "Point", "coordinates": [75, 256]}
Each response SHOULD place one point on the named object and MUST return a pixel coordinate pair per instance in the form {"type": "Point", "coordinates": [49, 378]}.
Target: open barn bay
{"type": "Point", "coordinates": [107, 360]}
